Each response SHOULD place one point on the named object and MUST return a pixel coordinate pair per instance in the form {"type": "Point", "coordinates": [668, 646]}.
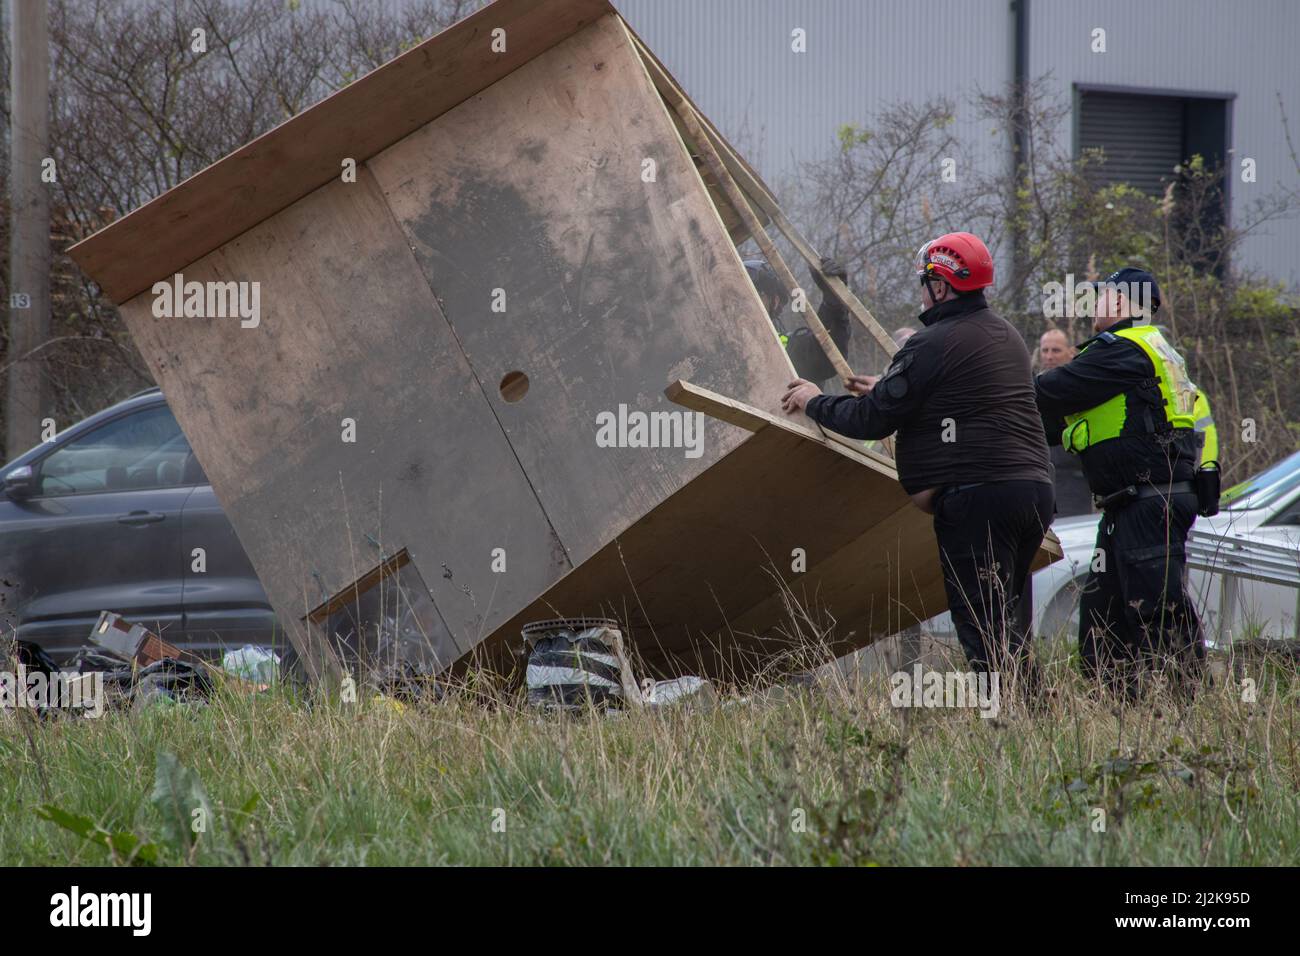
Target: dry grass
{"type": "Point", "coordinates": [831, 774]}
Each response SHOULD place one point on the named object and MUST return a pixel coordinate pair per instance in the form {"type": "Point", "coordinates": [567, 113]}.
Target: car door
{"type": "Point", "coordinates": [225, 606]}
{"type": "Point", "coordinates": [102, 532]}
{"type": "Point", "coordinates": [1276, 607]}
{"type": "Point", "coordinates": [1258, 608]}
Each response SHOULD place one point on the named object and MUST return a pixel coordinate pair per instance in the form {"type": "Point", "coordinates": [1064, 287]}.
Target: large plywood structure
{"type": "Point", "coordinates": [524, 217]}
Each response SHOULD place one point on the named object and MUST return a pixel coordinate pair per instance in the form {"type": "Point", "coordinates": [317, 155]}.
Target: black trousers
{"type": "Point", "coordinates": [988, 535]}
{"type": "Point", "coordinates": [1136, 613]}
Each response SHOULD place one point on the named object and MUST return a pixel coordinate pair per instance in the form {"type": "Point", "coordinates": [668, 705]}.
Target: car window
{"type": "Point", "coordinates": [1288, 515]}
{"type": "Point", "coordinates": [1265, 488]}
{"type": "Point", "coordinates": [145, 449]}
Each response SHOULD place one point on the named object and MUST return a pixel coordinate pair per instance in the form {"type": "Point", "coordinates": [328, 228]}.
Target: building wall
{"type": "Point", "coordinates": [1244, 48]}
{"type": "Point", "coordinates": [781, 108]}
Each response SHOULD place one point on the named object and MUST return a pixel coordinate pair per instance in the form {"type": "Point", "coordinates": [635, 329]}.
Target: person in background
{"type": "Point", "coordinates": [1054, 349]}
{"type": "Point", "coordinates": [1073, 497]}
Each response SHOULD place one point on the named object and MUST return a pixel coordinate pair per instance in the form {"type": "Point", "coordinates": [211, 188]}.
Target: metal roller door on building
{"type": "Point", "coordinates": [1142, 137]}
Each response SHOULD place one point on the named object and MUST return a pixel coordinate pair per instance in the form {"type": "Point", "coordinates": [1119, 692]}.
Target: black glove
{"type": "Point", "coordinates": [831, 267]}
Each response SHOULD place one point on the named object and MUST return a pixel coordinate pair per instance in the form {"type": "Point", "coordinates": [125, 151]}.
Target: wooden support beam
{"type": "Point", "coordinates": [737, 198]}
{"type": "Point", "coordinates": [726, 409]}
{"type": "Point", "coordinates": [753, 191]}
{"type": "Point", "coordinates": [700, 399]}
{"type": "Point", "coordinates": [668, 88]}
{"type": "Point", "coordinates": [834, 283]}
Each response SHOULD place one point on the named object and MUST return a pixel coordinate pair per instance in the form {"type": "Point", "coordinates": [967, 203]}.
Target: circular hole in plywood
{"type": "Point", "coordinates": [514, 386]}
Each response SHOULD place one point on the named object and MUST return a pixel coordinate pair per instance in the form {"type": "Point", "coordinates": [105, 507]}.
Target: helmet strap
{"type": "Point", "coordinates": [926, 281]}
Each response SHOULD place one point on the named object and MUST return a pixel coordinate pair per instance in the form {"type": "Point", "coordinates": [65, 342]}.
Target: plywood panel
{"type": "Point", "coordinates": [705, 582]}
{"type": "Point", "coordinates": [706, 557]}
{"type": "Point", "coordinates": [614, 286]}
{"type": "Point", "coordinates": [377, 306]}
{"type": "Point", "coordinates": [349, 329]}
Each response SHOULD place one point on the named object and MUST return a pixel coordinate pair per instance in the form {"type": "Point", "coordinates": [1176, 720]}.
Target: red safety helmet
{"type": "Point", "coordinates": [958, 258]}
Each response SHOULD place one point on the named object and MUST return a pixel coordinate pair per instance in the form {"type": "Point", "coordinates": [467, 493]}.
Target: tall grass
{"type": "Point", "coordinates": [831, 774]}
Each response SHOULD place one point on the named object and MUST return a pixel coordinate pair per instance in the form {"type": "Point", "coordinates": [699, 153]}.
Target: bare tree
{"type": "Point", "coordinates": [140, 101]}
{"type": "Point", "coordinates": [879, 193]}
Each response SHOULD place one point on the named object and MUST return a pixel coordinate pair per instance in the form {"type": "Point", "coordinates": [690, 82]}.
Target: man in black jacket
{"type": "Point", "coordinates": [970, 447]}
{"type": "Point", "coordinates": [1126, 407]}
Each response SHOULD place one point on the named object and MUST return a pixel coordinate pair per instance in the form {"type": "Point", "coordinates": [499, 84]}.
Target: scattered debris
{"type": "Point", "coordinates": [145, 670]}
{"type": "Point", "coordinates": [582, 663]}
{"type": "Point", "coordinates": [576, 663]}
{"type": "Point", "coordinates": [252, 663]}
{"type": "Point", "coordinates": [130, 667]}
{"type": "Point", "coordinates": [171, 682]}
{"type": "Point", "coordinates": [132, 643]}
{"type": "Point", "coordinates": [26, 659]}
{"type": "Point", "coordinates": [693, 692]}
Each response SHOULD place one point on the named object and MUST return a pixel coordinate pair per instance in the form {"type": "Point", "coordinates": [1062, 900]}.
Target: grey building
{"type": "Point", "coordinates": [1176, 77]}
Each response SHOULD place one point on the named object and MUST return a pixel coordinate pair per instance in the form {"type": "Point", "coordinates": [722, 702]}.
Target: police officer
{"type": "Point", "coordinates": [809, 361]}
{"type": "Point", "coordinates": [970, 446]}
{"type": "Point", "coordinates": [1126, 406]}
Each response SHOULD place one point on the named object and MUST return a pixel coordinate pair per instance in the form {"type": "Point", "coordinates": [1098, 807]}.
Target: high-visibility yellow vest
{"type": "Point", "coordinates": [1205, 425]}
{"type": "Point", "coordinates": [1106, 421]}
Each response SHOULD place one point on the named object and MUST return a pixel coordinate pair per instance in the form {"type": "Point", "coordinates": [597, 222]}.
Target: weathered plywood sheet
{"type": "Point", "coordinates": [305, 152]}
{"type": "Point", "coordinates": [349, 330]}
{"type": "Point", "coordinates": [693, 580]}
{"type": "Point", "coordinates": [613, 285]}
{"type": "Point", "coordinates": [706, 584]}
{"type": "Point", "coordinates": [377, 307]}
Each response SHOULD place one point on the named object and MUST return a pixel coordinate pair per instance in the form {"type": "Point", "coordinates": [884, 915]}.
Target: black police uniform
{"type": "Point", "coordinates": [1137, 610]}
{"type": "Point", "coordinates": [960, 396]}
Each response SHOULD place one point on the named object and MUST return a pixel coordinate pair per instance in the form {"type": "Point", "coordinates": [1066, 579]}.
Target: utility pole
{"type": "Point", "coordinates": [1019, 146]}
{"type": "Point", "coordinates": [29, 236]}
